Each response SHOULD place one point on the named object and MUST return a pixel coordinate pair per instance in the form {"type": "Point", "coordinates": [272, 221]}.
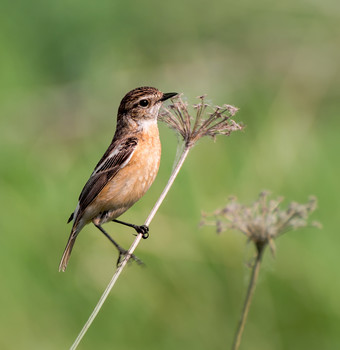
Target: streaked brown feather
{"type": "Point", "coordinates": [105, 171]}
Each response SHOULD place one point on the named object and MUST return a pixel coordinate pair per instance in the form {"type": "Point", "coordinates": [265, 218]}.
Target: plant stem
{"type": "Point", "coordinates": [168, 185]}
{"type": "Point", "coordinates": [248, 299]}
{"type": "Point", "coordinates": [131, 249]}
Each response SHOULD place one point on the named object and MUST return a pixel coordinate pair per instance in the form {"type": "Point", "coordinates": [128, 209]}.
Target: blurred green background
{"type": "Point", "coordinates": [64, 68]}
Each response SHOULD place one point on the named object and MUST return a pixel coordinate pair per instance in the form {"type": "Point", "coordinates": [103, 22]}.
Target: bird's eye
{"type": "Point", "coordinates": [144, 103]}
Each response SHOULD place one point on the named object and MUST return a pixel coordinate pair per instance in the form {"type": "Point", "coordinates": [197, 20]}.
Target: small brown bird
{"type": "Point", "coordinates": [126, 170]}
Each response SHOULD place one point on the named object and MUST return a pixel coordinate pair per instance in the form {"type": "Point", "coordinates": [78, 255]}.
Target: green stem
{"type": "Point", "coordinates": [248, 299]}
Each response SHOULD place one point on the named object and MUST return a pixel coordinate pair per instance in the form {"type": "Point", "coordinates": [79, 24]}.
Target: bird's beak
{"type": "Point", "coordinates": [168, 95]}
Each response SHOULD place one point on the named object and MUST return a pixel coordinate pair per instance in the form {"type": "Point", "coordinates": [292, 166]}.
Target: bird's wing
{"type": "Point", "coordinates": [115, 158]}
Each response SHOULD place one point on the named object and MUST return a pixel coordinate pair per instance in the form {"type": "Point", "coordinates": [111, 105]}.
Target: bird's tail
{"type": "Point", "coordinates": [68, 249]}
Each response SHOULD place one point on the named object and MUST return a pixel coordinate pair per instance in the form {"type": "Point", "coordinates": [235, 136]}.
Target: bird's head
{"type": "Point", "coordinates": [142, 105]}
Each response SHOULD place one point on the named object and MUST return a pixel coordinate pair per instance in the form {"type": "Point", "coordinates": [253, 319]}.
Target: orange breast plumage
{"type": "Point", "coordinates": [133, 180]}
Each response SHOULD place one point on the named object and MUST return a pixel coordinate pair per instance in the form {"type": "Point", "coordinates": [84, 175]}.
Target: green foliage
{"type": "Point", "coordinates": [64, 67]}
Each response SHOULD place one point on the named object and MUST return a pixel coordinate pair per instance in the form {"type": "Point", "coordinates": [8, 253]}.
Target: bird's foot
{"type": "Point", "coordinates": [143, 230]}
{"type": "Point", "coordinates": [123, 254]}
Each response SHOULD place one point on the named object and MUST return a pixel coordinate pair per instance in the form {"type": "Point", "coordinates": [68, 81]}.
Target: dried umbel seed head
{"type": "Point", "coordinates": [263, 221]}
{"type": "Point", "coordinates": [204, 120]}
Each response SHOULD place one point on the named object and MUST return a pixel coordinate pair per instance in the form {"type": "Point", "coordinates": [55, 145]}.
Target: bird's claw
{"type": "Point", "coordinates": [123, 253]}
{"type": "Point", "coordinates": [143, 230]}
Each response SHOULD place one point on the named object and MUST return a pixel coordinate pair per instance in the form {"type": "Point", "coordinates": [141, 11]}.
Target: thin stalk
{"type": "Point", "coordinates": [131, 249]}
{"type": "Point", "coordinates": [248, 299]}
{"type": "Point", "coordinates": [168, 185]}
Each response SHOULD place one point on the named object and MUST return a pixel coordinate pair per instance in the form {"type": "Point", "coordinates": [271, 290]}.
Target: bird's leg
{"type": "Point", "coordinates": [122, 252]}
{"type": "Point", "coordinates": [143, 229]}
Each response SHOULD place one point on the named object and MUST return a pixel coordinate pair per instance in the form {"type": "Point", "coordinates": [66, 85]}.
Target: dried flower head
{"type": "Point", "coordinates": [205, 121]}
{"type": "Point", "coordinates": [263, 221]}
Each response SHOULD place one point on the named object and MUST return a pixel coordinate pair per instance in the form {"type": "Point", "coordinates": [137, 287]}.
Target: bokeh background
{"type": "Point", "coordinates": [64, 66]}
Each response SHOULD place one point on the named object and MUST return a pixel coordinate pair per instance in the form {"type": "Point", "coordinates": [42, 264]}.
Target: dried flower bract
{"type": "Point", "coordinates": [263, 221]}
{"type": "Point", "coordinates": [205, 121]}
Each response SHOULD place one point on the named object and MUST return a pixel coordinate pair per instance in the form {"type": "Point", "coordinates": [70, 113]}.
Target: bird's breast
{"type": "Point", "coordinates": [134, 179]}
{"type": "Point", "coordinates": [145, 161]}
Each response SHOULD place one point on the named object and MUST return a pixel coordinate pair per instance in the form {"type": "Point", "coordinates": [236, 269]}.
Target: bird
{"type": "Point", "coordinates": [126, 170]}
